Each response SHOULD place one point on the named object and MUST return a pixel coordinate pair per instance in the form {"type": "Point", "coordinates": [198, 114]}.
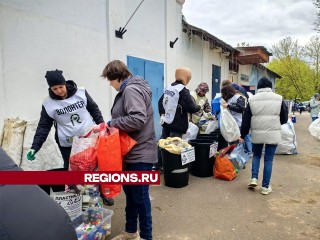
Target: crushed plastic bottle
{"type": "Point", "coordinates": [95, 199]}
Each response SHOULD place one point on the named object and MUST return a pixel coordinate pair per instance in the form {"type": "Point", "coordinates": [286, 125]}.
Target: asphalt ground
{"type": "Point", "coordinates": [210, 208]}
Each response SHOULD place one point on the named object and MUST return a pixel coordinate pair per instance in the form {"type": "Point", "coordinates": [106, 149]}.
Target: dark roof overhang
{"type": "Point", "coordinates": [215, 43]}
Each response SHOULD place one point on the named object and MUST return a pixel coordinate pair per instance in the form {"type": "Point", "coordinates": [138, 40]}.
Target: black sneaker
{"type": "Point", "coordinates": [107, 201]}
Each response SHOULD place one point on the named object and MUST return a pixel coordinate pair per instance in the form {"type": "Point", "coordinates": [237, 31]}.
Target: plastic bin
{"type": "Point", "coordinates": [208, 137]}
{"type": "Point", "coordinates": [203, 165]}
{"type": "Point", "coordinates": [55, 188]}
{"type": "Point", "coordinates": [215, 105]}
{"type": "Point", "coordinates": [98, 231]}
{"type": "Point", "coordinates": [175, 174]}
{"type": "Point", "coordinates": [217, 136]}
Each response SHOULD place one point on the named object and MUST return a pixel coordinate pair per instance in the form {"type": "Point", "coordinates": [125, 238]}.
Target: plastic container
{"type": "Point", "coordinates": [294, 120]}
{"type": "Point", "coordinates": [203, 165]}
{"type": "Point", "coordinates": [208, 136]}
{"type": "Point", "coordinates": [217, 136]}
{"type": "Point", "coordinates": [89, 231]}
{"type": "Point", "coordinates": [215, 105]}
{"type": "Point", "coordinates": [175, 174]}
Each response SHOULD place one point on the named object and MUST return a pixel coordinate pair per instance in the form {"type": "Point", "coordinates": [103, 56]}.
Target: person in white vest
{"type": "Point", "coordinates": [264, 115]}
{"type": "Point", "coordinates": [73, 113]}
{"type": "Point", "coordinates": [174, 106]}
{"type": "Point", "coordinates": [199, 96]}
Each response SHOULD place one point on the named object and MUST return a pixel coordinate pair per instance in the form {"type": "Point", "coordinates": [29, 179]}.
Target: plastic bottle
{"type": "Point", "coordinates": [95, 199]}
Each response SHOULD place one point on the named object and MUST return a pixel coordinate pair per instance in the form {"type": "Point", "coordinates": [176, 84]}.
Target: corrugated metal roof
{"type": "Point", "coordinates": [214, 41]}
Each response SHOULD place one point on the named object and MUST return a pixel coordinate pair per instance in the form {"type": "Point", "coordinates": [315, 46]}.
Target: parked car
{"type": "Point", "coordinates": [302, 107]}
{"type": "Point", "coordinates": [287, 102]}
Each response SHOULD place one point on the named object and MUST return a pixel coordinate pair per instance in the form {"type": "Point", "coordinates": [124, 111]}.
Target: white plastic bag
{"type": "Point", "coordinates": [314, 129]}
{"type": "Point", "coordinates": [212, 126]}
{"type": "Point", "coordinates": [191, 133]}
{"type": "Point", "coordinates": [228, 126]}
{"type": "Point", "coordinates": [288, 144]}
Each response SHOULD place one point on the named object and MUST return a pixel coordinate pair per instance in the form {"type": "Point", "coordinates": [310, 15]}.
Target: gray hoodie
{"type": "Point", "coordinates": [132, 113]}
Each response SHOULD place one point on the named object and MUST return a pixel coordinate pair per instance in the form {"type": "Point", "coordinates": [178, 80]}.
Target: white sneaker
{"type": "Point", "coordinates": [127, 236]}
{"type": "Point", "coordinates": [253, 183]}
{"type": "Point", "coordinates": [266, 191]}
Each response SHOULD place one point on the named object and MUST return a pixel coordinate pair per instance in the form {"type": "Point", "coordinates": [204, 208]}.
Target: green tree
{"type": "Point", "coordinates": [289, 63]}
{"type": "Point", "coordinates": [287, 48]}
{"type": "Point", "coordinates": [296, 75]}
{"type": "Point", "coordinates": [316, 24]}
{"type": "Point", "coordinates": [311, 52]}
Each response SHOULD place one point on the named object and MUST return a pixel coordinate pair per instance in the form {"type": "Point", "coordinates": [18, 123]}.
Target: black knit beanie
{"type": "Point", "coordinates": [55, 78]}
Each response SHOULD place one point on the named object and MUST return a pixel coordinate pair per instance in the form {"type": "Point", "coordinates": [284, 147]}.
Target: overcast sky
{"type": "Point", "coordinates": [257, 22]}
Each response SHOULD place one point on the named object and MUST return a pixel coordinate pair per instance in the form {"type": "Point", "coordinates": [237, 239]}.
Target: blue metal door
{"type": "Point", "coordinates": [153, 72]}
{"type": "Point", "coordinates": [216, 79]}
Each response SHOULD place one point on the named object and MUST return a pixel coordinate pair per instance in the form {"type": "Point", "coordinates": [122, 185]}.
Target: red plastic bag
{"type": "Point", "coordinates": [223, 167]}
{"type": "Point", "coordinates": [112, 146]}
{"type": "Point", "coordinates": [83, 155]}
{"type": "Point", "coordinates": [109, 157]}
{"type": "Point", "coordinates": [126, 143]}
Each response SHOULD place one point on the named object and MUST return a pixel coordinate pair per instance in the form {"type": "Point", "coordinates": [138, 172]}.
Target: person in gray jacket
{"type": "Point", "coordinates": [264, 114]}
{"type": "Point", "coordinates": [314, 106]}
{"type": "Point", "coordinates": [38, 218]}
{"type": "Point", "coordinates": [132, 113]}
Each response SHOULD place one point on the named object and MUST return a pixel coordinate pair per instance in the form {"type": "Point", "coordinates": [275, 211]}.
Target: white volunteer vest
{"type": "Point", "coordinates": [71, 115]}
{"type": "Point", "coordinates": [170, 101]}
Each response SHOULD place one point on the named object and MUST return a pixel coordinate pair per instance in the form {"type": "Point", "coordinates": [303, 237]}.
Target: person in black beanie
{"type": "Point", "coordinates": [71, 110]}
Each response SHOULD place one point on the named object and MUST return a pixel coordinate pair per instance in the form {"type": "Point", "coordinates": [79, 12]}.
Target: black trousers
{"type": "Point", "coordinates": [65, 152]}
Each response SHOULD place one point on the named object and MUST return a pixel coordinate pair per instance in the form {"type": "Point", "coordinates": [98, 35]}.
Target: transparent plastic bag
{"type": "Point", "coordinates": [83, 155]}
{"type": "Point", "coordinates": [239, 157]}
{"type": "Point", "coordinates": [191, 133]}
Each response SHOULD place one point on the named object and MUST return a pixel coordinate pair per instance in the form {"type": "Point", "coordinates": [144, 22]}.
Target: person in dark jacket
{"type": "Point", "coordinates": [73, 113]}
{"type": "Point", "coordinates": [132, 113]}
{"type": "Point", "coordinates": [239, 89]}
{"type": "Point", "coordinates": [38, 218]}
{"type": "Point", "coordinates": [174, 106]}
{"type": "Point", "coordinates": [264, 115]}
{"type": "Point", "coordinates": [234, 101]}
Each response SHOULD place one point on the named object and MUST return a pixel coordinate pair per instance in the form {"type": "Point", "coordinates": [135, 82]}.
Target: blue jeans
{"type": "Point", "coordinates": [138, 205]}
{"type": "Point", "coordinates": [270, 150]}
{"type": "Point", "coordinates": [314, 118]}
{"type": "Point", "coordinates": [248, 144]}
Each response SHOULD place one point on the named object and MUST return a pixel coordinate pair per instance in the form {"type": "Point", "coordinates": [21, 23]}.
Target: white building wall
{"type": "Point", "coordinates": [37, 36]}
{"type": "Point", "coordinates": [78, 36]}
{"type": "Point", "coordinates": [246, 70]}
